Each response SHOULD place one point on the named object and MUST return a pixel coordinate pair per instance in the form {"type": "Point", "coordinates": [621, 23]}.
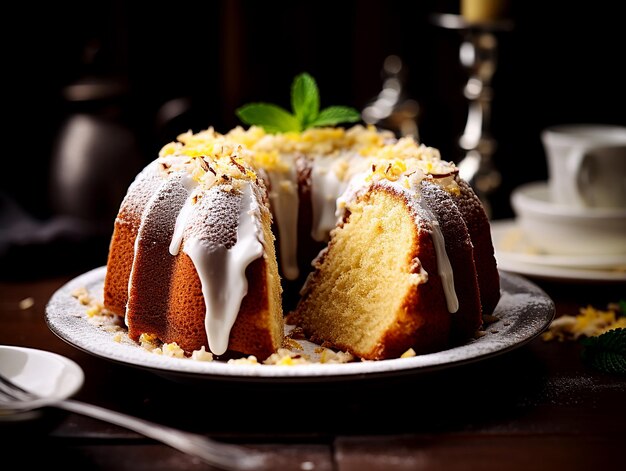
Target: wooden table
{"type": "Point", "coordinates": [537, 407]}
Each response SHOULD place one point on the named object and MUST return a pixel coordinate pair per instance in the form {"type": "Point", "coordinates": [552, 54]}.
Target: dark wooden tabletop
{"type": "Point", "coordinates": [537, 407]}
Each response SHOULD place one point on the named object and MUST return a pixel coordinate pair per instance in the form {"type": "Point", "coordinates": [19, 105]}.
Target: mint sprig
{"type": "Point", "coordinates": [606, 352]}
{"type": "Point", "coordinates": [305, 104]}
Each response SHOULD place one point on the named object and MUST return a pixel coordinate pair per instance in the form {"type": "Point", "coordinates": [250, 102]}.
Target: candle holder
{"type": "Point", "coordinates": [478, 53]}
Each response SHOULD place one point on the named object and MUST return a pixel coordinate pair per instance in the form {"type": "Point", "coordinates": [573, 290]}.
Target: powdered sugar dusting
{"type": "Point", "coordinates": [141, 190]}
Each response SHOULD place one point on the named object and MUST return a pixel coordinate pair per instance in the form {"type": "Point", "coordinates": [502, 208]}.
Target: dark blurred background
{"type": "Point", "coordinates": [92, 90]}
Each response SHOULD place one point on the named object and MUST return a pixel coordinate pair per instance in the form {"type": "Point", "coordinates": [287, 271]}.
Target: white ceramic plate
{"type": "Point", "coordinates": [524, 312]}
{"type": "Point", "coordinates": [44, 373]}
{"type": "Point", "coordinates": [514, 253]}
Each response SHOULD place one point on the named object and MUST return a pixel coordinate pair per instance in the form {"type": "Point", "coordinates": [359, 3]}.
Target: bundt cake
{"type": "Point", "coordinates": [192, 256]}
{"type": "Point", "coordinates": [402, 248]}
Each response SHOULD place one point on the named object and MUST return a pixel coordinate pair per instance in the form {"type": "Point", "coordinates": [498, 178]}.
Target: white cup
{"type": "Point", "coordinates": [586, 165]}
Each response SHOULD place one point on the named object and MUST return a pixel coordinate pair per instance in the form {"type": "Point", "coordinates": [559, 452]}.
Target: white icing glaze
{"type": "Point", "coordinates": [284, 200]}
{"type": "Point", "coordinates": [222, 271]}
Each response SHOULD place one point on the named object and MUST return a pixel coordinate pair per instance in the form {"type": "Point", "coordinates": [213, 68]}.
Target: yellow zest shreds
{"type": "Point", "coordinates": [210, 158]}
{"type": "Point", "coordinates": [410, 172]}
{"type": "Point", "coordinates": [590, 322]}
{"type": "Point", "coordinates": [269, 160]}
{"type": "Point", "coordinates": [149, 338]}
{"type": "Point", "coordinates": [248, 137]}
{"type": "Point", "coordinates": [285, 357]}
{"type": "Point", "coordinates": [315, 141]}
{"type": "Point", "coordinates": [390, 170]}
{"type": "Point", "coordinates": [149, 341]}
{"type": "Point", "coordinates": [404, 148]}
{"type": "Point", "coordinates": [95, 309]}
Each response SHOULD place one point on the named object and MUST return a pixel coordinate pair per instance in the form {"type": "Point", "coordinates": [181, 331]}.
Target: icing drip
{"type": "Point", "coordinates": [326, 186]}
{"type": "Point", "coordinates": [444, 268]}
{"type": "Point", "coordinates": [284, 199]}
{"type": "Point", "coordinates": [325, 189]}
{"type": "Point", "coordinates": [222, 271]}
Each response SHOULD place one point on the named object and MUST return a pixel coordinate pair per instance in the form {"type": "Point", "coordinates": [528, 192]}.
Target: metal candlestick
{"type": "Point", "coordinates": [478, 53]}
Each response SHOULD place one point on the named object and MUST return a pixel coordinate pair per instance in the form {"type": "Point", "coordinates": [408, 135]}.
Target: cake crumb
{"type": "Point", "coordinates": [250, 360]}
{"type": "Point", "coordinates": [479, 334]}
{"type": "Point", "coordinates": [26, 303]}
{"type": "Point", "coordinates": [117, 337]}
{"type": "Point", "coordinates": [82, 295]}
{"type": "Point", "coordinates": [285, 357]}
{"type": "Point", "coordinates": [172, 350]}
{"type": "Point", "coordinates": [408, 354]}
{"type": "Point", "coordinates": [112, 328]}
{"type": "Point", "coordinates": [201, 355]}
{"type": "Point", "coordinates": [330, 356]}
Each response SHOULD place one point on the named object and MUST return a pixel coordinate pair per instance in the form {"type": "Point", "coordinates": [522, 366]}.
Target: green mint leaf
{"type": "Point", "coordinates": [305, 99]}
{"type": "Point", "coordinates": [607, 352]}
{"type": "Point", "coordinates": [335, 115]}
{"type": "Point", "coordinates": [270, 117]}
{"type": "Point", "coordinates": [622, 308]}
{"type": "Point", "coordinates": [305, 102]}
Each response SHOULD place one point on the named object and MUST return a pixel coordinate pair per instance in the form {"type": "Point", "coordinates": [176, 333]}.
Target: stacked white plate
{"type": "Point", "coordinates": [550, 241]}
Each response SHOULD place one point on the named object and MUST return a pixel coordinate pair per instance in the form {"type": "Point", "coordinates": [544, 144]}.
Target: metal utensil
{"type": "Point", "coordinates": [14, 399]}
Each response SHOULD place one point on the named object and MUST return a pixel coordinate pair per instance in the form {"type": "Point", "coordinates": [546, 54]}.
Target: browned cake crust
{"type": "Point", "coordinates": [478, 226]}
{"type": "Point", "coordinates": [119, 264]}
{"type": "Point", "coordinates": [122, 246]}
{"type": "Point", "coordinates": [460, 251]}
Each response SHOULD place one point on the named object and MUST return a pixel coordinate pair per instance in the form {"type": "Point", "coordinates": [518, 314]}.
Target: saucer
{"type": "Point", "coordinates": [565, 230]}
{"type": "Point", "coordinates": [515, 253]}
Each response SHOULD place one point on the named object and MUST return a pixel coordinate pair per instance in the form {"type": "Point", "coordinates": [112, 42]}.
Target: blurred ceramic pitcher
{"type": "Point", "coordinates": [96, 155]}
{"type": "Point", "coordinates": [586, 165]}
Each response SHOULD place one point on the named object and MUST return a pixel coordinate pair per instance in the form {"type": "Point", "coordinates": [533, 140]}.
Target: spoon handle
{"type": "Point", "coordinates": [222, 455]}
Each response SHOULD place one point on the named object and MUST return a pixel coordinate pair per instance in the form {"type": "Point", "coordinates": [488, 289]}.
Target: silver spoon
{"type": "Point", "coordinates": [17, 400]}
